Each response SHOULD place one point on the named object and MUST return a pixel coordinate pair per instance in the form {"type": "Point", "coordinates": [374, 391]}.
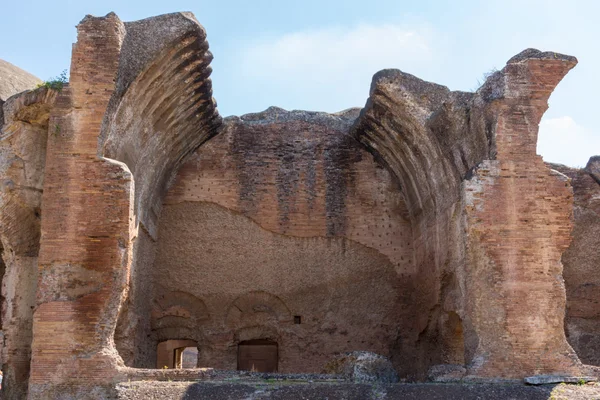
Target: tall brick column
{"type": "Point", "coordinates": [518, 225]}
{"type": "Point", "coordinates": [84, 254]}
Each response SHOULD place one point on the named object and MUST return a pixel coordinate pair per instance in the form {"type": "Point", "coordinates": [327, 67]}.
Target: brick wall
{"type": "Point", "coordinates": [23, 155]}
{"type": "Point", "coordinates": [287, 204]}
{"type": "Point", "coordinates": [518, 224]}
{"type": "Point", "coordinates": [84, 253]}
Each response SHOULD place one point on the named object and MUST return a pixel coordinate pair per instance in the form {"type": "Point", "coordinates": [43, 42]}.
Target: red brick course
{"type": "Point", "coordinates": [84, 253]}
{"type": "Point", "coordinates": [519, 218]}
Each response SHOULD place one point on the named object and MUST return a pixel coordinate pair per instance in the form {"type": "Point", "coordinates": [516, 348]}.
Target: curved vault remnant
{"type": "Point", "coordinates": [14, 80]}
{"type": "Point", "coordinates": [154, 120]}
{"type": "Point", "coordinates": [96, 219]}
{"type": "Point", "coordinates": [162, 109]}
{"type": "Point", "coordinates": [489, 220]}
{"type": "Point", "coordinates": [461, 158]}
{"type": "Point", "coordinates": [176, 314]}
{"type": "Point", "coordinates": [430, 138]}
{"type": "Point", "coordinates": [257, 305]}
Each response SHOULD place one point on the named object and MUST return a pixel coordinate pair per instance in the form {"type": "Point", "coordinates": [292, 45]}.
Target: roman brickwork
{"type": "Point", "coordinates": [518, 224]}
{"type": "Point", "coordinates": [423, 227]}
{"type": "Point", "coordinates": [23, 154]}
{"type": "Point", "coordinates": [85, 242]}
{"type": "Point", "coordinates": [284, 214]}
{"type": "Point", "coordinates": [161, 111]}
{"type": "Point", "coordinates": [581, 260]}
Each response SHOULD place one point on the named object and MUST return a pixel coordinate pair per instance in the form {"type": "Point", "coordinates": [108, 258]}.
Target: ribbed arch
{"type": "Point", "coordinates": [161, 115]}
{"type": "Point", "coordinates": [162, 109]}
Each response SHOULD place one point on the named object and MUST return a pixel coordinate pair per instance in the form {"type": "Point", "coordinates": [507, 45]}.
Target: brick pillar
{"type": "Point", "coordinates": [84, 252]}
{"type": "Point", "coordinates": [519, 224]}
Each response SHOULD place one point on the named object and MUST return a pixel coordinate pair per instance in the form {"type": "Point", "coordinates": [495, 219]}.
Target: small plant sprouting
{"type": "Point", "coordinates": [486, 75]}
{"type": "Point", "coordinates": [56, 130]}
{"type": "Point", "coordinates": [57, 83]}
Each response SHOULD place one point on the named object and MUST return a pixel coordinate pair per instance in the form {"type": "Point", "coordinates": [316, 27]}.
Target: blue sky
{"type": "Point", "coordinates": [321, 55]}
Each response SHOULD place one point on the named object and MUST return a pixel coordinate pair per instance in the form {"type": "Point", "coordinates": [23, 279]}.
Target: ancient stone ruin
{"type": "Point", "coordinates": [136, 224]}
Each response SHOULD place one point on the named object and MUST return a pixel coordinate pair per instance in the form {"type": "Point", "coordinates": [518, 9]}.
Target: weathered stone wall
{"type": "Point", "coordinates": [23, 137]}
{"type": "Point", "coordinates": [85, 245]}
{"type": "Point", "coordinates": [131, 337]}
{"type": "Point", "coordinates": [582, 263]}
{"type": "Point", "coordinates": [88, 236]}
{"type": "Point", "coordinates": [430, 138]}
{"type": "Point", "coordinates": [443, 248]}
{"type": "Point", "coordinates": [14, 80]}
{"type": "Point", "coordinates": [519, 224]}
{"type": "Point", "coordinates": [162, 109]}
{"type": "Point", "coordinates": [433, 139]}
{"type": "Point", "coordinates": [285, 207]}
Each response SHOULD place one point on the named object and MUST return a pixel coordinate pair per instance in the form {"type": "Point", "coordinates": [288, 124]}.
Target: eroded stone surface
{"type": "Point", "coordinates": [581, 263]}
{"type": "Point", "coordinates": [423, 227]}
{"type": "Point", "coordinates": [86, 229]}
{"type": "Point", "coordinates": [14, 80]}
{"type": "Point", "coordinates": [308, 390]}
{"type": "Point", "coordinates": [519, 224]}
{"type": "Point", "coordinates": [23, 137]}
{"type": "Point", "coordinates": [433, 139]}
{"type": "Point", "coordinates": [321, 210]}
{"type": "Point", "coordinates": [549, 379]}
{"type": "Point", "coordinates": [593, 168]}
{"type": "Point", "coordinates": [362, 367]}
{"type": "Point", "coordinates": [446, 373]}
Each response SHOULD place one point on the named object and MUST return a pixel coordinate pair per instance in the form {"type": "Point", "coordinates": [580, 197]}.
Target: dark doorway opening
{"type": "Point", "coordinates": [177, 354]}
{"type": "Point", "coordinates": [260, 355]}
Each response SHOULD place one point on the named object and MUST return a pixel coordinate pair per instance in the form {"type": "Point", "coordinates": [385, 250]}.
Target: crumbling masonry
{"type": "Point", "coordinates": [422, 227]}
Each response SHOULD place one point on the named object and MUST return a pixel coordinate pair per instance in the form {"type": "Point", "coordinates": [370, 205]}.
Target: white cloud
{"type": "Point", "coordinates": [562, 140]}
{"type": "Point", "coordinates": [332, 68]}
